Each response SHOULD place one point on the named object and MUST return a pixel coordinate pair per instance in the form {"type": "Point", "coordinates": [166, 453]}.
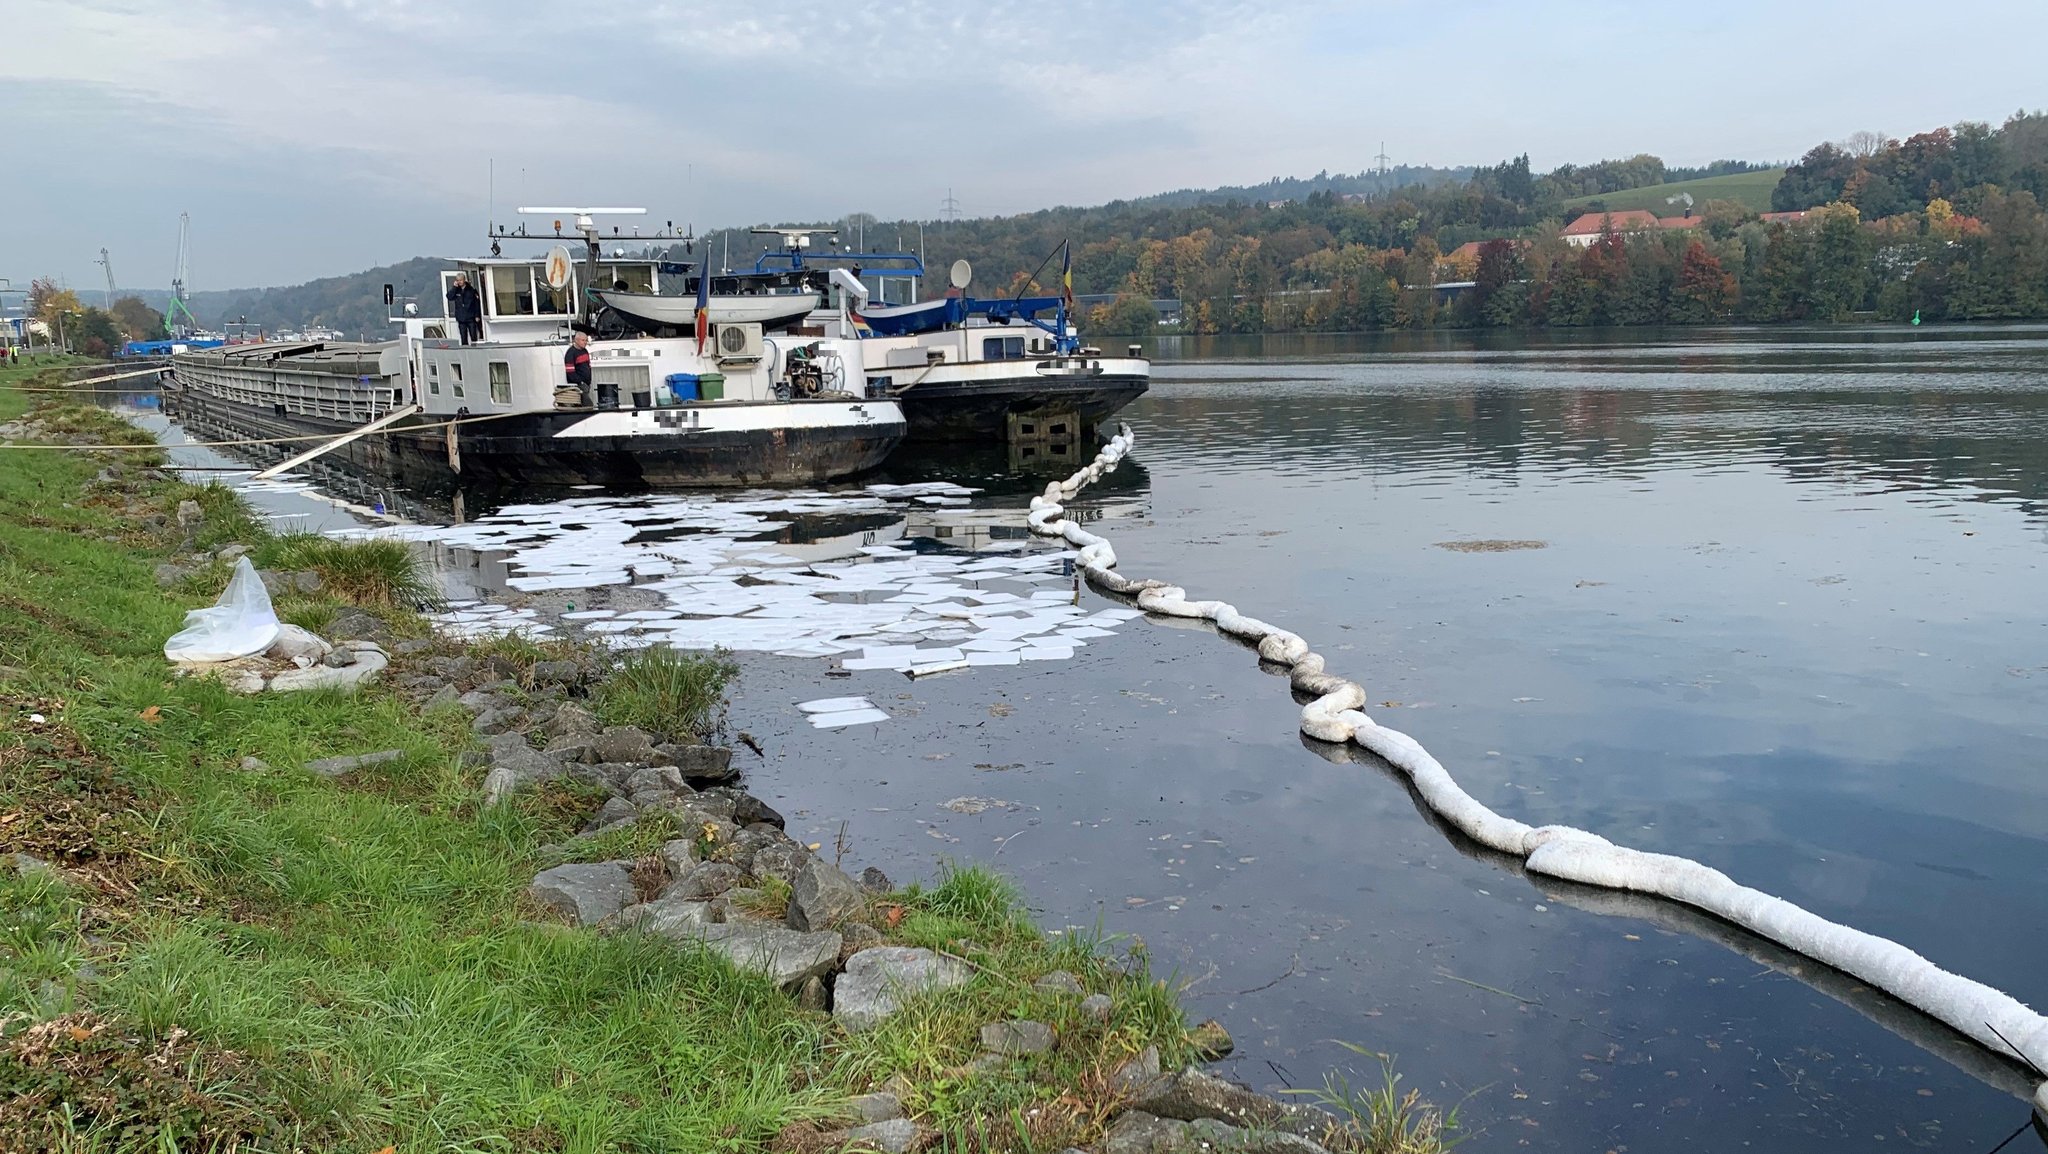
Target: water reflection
{"type": "Point", "coordinates": [1787, 621]}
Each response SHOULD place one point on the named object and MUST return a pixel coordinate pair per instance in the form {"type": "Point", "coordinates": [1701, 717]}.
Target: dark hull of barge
{"type": "Point", "coordinates": [984, 411]}
{"type": "Point", "coordinates": [525, 450]}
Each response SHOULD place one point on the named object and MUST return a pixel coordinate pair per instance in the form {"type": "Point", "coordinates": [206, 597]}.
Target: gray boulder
{"type": "Point", "coordinates": [705, 881]}
{"type": "Point", "coordinates": [823, 897]}
{"type": "Point", "coordinates": [1137, 1132]}
{"type": "Point", "coordinates": [614, 811]}
{"type": "Point", "coordinates": [1191, 1095]}
{"type": "Point", "coordinates": [1016, 1038]}
{"type": "Point", "coordinates": [480, 701]}
{"type": "Point", "coordinates": [584, 893]}
{"type": "Point", "coordinates": [701, 763]}
{"type": "Point", "coordinates": [1098, 1006]}
{"type": "Point", "coordinates": [783, 860]}
{"type": "Point", "coordinates": [443, 697]}
{"type": "Point", "coordinates": [860, 936]}
{"type": "Point", "coordinates": [1211, 1042]}
{"type": "Point", "coordinates": [492, 721]}
{"type": "Point", "coordinates": [875, 881]}
{"type": "Point", "coordinates": [876, 1107]}
{"type": "Point", "coordinates": [356, 624]}
{"type": "Point", "coordinates": [658, 780]}
{"type": "Point", "coordinates": [571, 718]}
{"type": "Point", "coordinates": [877, 982]}
{"type": "Point", "coordinates": [168, 574]}
{"type": "Point", "coordinates": [525, 765]}
{"type": "Point", "coordinates": [1137, 1073]}
{"type": "Point", "coordinates": [627, 743]}
{"type": "Point", "coordinates": [894, 1136]}
{"type": "Point", "coordinates": [750, 810]}
{"type": "Point", "coordinates": [574, 747]}
{"type": "Point", "coordinates": [342, 766]}
{"type": "Point", "coordinates": [670, 917]}
{"type": "Point", "coordinates": [680, 856]}
{"type": "Point", "coordinates": [339, 659]}
{"type": "Point", "coordinates": [1059, 982]}
{"type": "Point", "coordinates": [813, 995]}
{"type": "Point", "coordinates": [557, 672]}
{"type": "Point", "coordinates": [784, 956]}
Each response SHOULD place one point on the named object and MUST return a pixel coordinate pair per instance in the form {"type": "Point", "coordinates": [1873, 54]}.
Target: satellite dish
{"type": "Point", "coordinates": [558, 267]}
{"type": "Point", "coordinates": [962, 275]}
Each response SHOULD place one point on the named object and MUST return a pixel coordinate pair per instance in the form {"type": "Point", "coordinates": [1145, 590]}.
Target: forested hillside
{"type": "Point", "coordinates": [1947, 224]}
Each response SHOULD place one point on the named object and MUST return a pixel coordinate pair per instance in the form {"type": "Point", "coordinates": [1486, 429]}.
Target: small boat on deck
{"type": "Point", "coordinates": [654, 314]}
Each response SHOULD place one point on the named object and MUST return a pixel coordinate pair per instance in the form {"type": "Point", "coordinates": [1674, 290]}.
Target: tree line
{"type": "Point", "coordinates": [60, 315]}
{"type": "Point", "coordinates": [1945, 225]}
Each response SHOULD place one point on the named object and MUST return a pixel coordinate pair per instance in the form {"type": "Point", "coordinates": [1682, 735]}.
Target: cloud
{"type": "Point", "coordinates": [331, 134]}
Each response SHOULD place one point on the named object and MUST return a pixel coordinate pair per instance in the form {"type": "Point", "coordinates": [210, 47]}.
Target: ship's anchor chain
{"type": "Point", "coordinates": [1995, 1020]}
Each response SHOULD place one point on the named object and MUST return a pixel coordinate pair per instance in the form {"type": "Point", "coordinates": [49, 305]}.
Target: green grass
{"type": "Point", "coordinates": [1752, 190]}
{"type": "Point", "coordinates": [666, 691]}
{"type": "Point", "coordinates": [365, 572]}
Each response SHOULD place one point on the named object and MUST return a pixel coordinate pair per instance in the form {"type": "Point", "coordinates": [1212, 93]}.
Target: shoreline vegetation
{"type": "Point", "coordinates": [446, 912]}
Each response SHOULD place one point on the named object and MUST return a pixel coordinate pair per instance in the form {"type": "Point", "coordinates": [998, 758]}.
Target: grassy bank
{"type": "Point", "coordinates": [208, 948]}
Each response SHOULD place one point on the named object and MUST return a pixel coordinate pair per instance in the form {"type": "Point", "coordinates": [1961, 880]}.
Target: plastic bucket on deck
{"type": "Point", "coordinates": [711, 386]}
{"type": "Point", "coordinates": [684, 385]}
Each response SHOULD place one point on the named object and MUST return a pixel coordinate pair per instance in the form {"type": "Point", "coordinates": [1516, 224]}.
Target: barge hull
{"type": "Point", "coordinates": [525, 449]}
{"type": "Point", "coordinates": [981, 410]}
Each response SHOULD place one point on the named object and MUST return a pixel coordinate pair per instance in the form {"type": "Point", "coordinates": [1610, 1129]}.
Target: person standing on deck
{"type": "Point", "coordinates": [467, 309]}
{"type": "Point", "coordinates": [576, 365]}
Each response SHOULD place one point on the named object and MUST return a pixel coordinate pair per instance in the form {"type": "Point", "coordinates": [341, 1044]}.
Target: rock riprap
{"type": "Point", "coordinates": [878, 981]}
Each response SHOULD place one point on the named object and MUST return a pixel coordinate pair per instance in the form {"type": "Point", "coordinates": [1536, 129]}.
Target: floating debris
{"type": "Point", "coordinates": [1490, 546]}
{"type": "Point", "coordinates": [799, 574]}
{"type": "Point", "coordinates": [836, 712]}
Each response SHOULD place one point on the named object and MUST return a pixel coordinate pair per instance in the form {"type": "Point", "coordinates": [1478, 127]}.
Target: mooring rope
{"type": "Point", "coordinates": [259, 440]}
{"type": "Point", "coordinates": [80, 386]}
{"type": "Point", "coordinates": [1995, 1020]}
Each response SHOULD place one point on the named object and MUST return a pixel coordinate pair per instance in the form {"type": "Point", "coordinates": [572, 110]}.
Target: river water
{"type": "Point", "coordinates": [1772, 600]}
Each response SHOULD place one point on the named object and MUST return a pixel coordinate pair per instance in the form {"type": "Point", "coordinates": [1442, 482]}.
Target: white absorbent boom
{"type": "Point", "coordinates": [1995, 1020]}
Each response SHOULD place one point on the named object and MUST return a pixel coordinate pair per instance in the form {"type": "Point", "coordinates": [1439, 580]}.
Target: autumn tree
{"type": "Point", "coordinates": [137, 321]}
{"type": "Point", "coordinates": [47, 302]}
{"type": "Point", "coordinates": [1704, 292]}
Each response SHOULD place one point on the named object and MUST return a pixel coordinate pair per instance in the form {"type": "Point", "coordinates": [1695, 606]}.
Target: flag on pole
{"type": "Point", "coordinates": [1067, 276]}
{"type": "Point", "coordinates": [703, 305]}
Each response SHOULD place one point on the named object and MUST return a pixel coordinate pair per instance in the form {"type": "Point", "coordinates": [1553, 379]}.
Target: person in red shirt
{"type": "Point", "coordinates": [576, 364]}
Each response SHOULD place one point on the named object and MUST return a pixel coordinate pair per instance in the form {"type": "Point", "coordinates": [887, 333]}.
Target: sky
{"type": "Point", "coordinates": [318, 137]}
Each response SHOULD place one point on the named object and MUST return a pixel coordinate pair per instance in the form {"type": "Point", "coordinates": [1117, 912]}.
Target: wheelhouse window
{"type": "Point", "coordinates": [501, 383]}
{"type": "Point", "coordinates": [550, 301]}
{"type": "Point", "coordinates": [433, 378]}
{"type": "Point", "coordinates": [1002, 348]}
{"type": "Point", "coordinates": [512, 291]}
{"type": "Point", "coordinates": [629, 278]}
{"type": "Point", "coordinates": [435, 332]}
{"type": "Point", "coordinates": [456, 368]}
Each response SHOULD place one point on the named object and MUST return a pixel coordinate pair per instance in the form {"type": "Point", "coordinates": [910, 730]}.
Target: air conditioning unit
{"type": "Point", "coordinates": [737, 342]}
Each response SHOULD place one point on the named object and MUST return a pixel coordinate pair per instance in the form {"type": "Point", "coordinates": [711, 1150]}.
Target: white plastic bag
{"type": "Point", "coordinates": [239, 624]}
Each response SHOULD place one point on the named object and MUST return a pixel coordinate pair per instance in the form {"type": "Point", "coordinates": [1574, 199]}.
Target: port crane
{"type": "Point", "coordinates": [172, 327]}
{"type": "Point", "coordinates": [107, 262]}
